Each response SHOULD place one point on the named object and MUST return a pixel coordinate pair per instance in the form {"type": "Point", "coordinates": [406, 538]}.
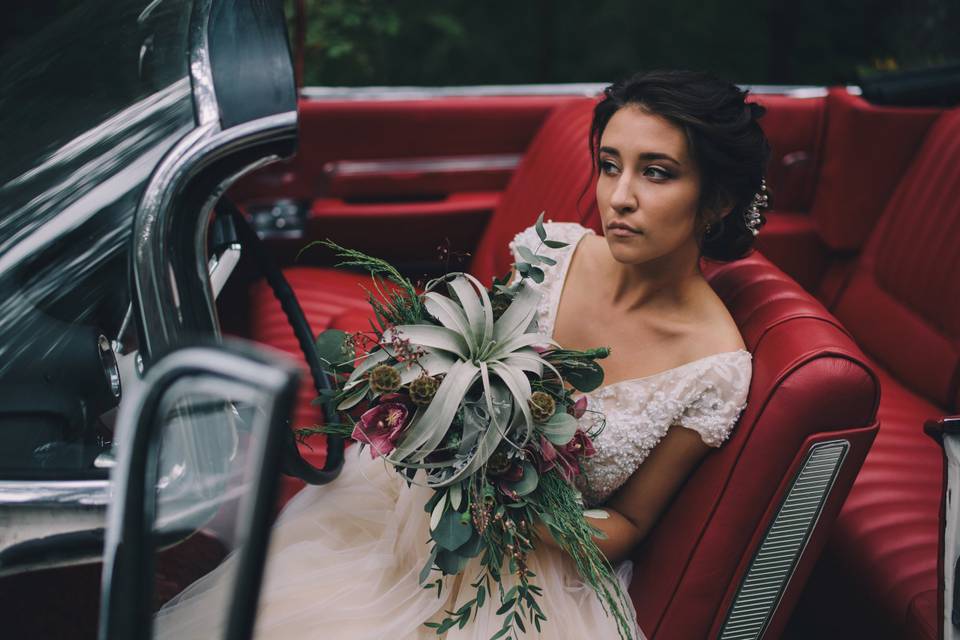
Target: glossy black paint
{"type": "Point", "coordinates": [250, 58]}
{"type": "Point", "coordinates": [88, 107]}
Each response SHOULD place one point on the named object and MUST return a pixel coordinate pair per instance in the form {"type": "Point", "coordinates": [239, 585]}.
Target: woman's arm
{"type": "Point", "coordinates": [637, 505]}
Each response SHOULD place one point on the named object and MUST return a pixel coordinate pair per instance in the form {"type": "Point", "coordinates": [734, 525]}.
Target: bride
{"type": "Point", "coordinates": [680, 161]}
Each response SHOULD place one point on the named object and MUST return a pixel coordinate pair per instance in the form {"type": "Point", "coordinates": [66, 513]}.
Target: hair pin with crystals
{"type": "Point", "coordinates": [752, 215]}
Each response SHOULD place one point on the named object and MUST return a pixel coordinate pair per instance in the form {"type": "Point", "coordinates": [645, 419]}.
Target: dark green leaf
{"type": "Point", "coordinates": [519, 619]}
{"type": "Point", "coordinates": [330, 348]}
{"type": "Point", "coordinates": [471, 548]}
{"type": "Point", "coordinates": [546, 260]}
{"type": "Point", "coordinates": [523, 268]}
{"type": "Point", "coordinates": [425, 572]}
{"type": "Point", "coordinates": [507, 604]}
{"type": "Point", "coordinates": [450, 562]}
{"type": "Point", "coordinates": [451, 532]}
{"type": "Point", "coordinates": [536, 274]}
{"type": "Point", "coordinates": [500, 634]}
{"type": "Point", "coordinates": [539, 226]}
{"type": "Point", "coordinates": [585, 376]}
{"type": "Point", "coordinates": [555, 244]}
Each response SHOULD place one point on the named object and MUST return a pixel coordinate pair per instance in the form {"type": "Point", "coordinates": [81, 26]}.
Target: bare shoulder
{"type": "Point", "coordinates": [712, 329]}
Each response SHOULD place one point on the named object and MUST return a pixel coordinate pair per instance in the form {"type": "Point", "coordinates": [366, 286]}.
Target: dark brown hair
{"type": "Point", "coordinates": [724, 138]}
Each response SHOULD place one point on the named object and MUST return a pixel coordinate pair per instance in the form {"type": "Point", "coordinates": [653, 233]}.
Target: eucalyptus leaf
{"type": "Point", "coordinates": [330, 347]}
{"type": "Point", "coordinates": [451, 562]}
{"type": "Point", "coordinates": [451, 532]}
{"type": "Point", "coordinates": [536, 274]}
{"type": "Point", "coordinates": [472, 547]}
{"type": "Point", "coordinates": [541, 232]}
{"type": "Point", "coordinates": [527, 255]}
{"type": "Point", "coordinates": [547, 260]}
{"type": "Point", "coordinates": [559, 429]}
{"type": "Point", "coordinates": [556, 244]}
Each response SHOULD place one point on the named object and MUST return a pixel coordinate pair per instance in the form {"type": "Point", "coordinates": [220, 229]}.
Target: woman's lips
{"type": "Point", "coordinates": [622, 231]}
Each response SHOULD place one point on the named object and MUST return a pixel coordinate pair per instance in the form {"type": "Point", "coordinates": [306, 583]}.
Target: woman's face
{"type": "Point", "coordinates": [649, 187]}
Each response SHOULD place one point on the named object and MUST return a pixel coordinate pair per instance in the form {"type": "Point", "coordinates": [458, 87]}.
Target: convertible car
{"type": "Point", "coordinates": [162, 175]}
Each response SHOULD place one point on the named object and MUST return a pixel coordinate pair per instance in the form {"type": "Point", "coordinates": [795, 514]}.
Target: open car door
{"type": "Point", "coordinates": [198, 457]}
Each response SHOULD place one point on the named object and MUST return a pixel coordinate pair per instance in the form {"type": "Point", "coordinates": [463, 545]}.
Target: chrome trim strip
{"type": "Point", "coordinates": [221, 267]}
{"type": "Point", "coordinates": [40, 493]}
{"type": "Point", "coordinates": [448, 164]}
{"type": "Point", "coordinates": [775, 560]}
{"type": "Point", "coordinates": [951, 532]}
{"type": "Point", "coordinates": [157, 294]}
{"type": "Point", "coordinates": [587, 89]}
{"type": "Point", "coordinates": [201, 73]}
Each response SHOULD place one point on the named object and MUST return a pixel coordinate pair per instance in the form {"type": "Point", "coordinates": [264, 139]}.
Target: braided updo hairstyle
{"type": "Point", "coordinates": [724, 139]}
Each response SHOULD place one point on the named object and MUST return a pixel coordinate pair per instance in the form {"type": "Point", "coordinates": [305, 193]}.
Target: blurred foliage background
{"type": "Point", "coordinates": [465, 42]}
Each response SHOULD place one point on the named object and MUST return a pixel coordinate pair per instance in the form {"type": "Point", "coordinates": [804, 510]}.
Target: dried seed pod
{"type": "Point", "coordinates": [384, 379]}
{"type": "Point", "coordinates": [542, 406]}
{"type": "Point", "coordinates": [423, 389]}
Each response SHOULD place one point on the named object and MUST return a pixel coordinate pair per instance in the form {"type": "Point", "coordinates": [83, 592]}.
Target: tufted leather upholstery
{"type": "Point", "coordinates": [554, 177]}
{"type": "Point", "coordinates": [902, 303]}
{"type": "Point", "coordinates": [810, 384]}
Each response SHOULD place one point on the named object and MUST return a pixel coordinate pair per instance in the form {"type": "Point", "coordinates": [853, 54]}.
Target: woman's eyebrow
{"type": "Point", "coordinates": [649, 155]}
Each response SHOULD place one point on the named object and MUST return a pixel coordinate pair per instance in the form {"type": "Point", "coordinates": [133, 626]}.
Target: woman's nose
{"type": "Point", "coordinates": [623, 199]}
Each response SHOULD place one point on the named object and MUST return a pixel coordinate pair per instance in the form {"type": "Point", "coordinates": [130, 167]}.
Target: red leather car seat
{"type": "Point", "coordinates": [810, 387]}
{"type": "Point", "coordinates": [902, 304]}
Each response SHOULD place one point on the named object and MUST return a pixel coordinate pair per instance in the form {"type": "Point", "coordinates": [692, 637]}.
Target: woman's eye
{"type": "Point", "coordinates": [608, 168]}
{"type": "Point", "coordinates": [657, 173]}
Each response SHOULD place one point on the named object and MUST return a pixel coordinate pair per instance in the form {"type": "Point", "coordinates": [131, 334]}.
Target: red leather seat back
{"type": "Point", "coordinates": [810, 383]}
{"type": "Point", "coordinates": [903, 300]}
{"type": "Point", "coordinates": [554, 176]}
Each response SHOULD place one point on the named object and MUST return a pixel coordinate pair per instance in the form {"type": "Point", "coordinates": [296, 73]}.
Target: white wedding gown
{"type": "Point", "coordinates": [344, 558]}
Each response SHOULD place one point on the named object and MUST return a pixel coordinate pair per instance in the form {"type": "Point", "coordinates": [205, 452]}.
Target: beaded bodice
{"type": "Point", "coordinates": [706, 395]}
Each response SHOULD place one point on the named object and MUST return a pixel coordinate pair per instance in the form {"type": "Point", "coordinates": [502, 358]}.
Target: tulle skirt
{"type": "Point", "coordinates": [344, 563]}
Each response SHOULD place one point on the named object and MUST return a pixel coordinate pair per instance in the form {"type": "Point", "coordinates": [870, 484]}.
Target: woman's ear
{"type": "Point", "coordinates": [712, 216]}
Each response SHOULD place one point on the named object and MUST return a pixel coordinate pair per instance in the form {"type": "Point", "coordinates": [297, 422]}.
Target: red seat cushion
{"type": "Point", "coordinates": [853, 188]}
{"type": "Point", "coordinates": [902, 304]}
{"type": "Point", "coordinates": [555, 177]}
{"type": "Point", "coordinates": [791, 241]}
{"type": "Point", "coordinates": [888, 531]}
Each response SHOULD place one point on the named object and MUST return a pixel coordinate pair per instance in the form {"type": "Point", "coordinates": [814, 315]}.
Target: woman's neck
{"type": "Point", "coordinates": [665, 281]}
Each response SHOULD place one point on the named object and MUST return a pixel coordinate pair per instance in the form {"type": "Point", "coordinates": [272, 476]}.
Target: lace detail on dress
{"type": "Point", "coordinates": [706, 395]}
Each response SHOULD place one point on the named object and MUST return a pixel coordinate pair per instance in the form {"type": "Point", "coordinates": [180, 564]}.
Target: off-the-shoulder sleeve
{"type": "Point", "coordinates": [719, 398]}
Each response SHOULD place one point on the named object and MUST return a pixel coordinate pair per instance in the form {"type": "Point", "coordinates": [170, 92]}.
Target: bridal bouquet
{"type": "Point", "coordinates": [457, 390]}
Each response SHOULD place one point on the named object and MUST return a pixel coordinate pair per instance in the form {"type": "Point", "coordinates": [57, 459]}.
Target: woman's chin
{"type": "Point", "coordinates": [626, 252]}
